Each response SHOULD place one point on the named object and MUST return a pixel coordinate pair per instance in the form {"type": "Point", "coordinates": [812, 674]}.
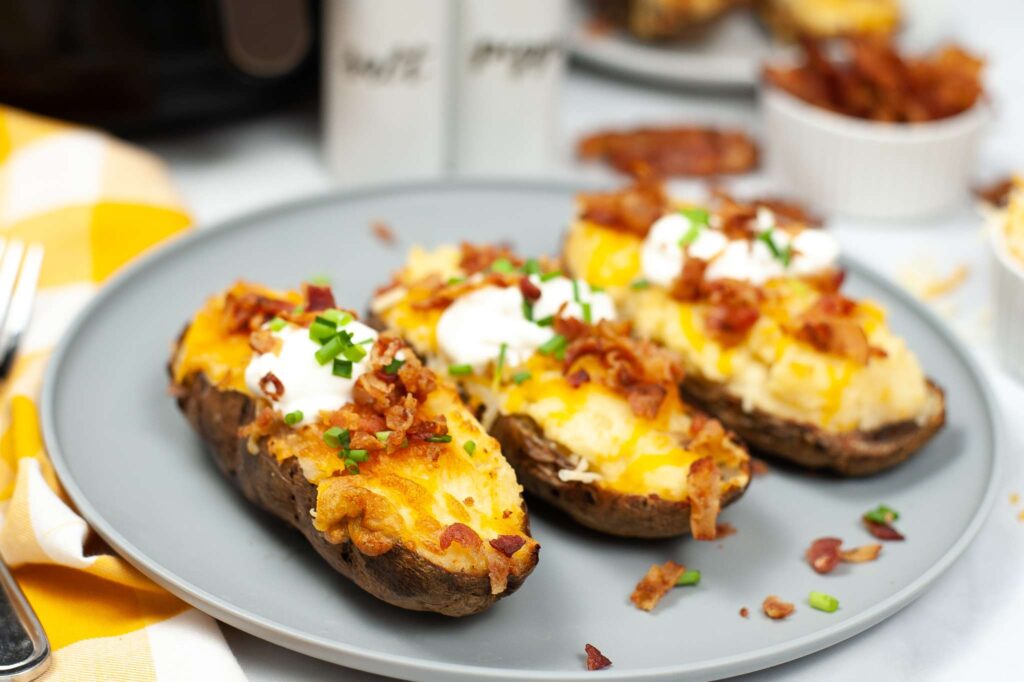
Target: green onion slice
{"type": "Point", "coordinates": [460, 370]}
{"type": "Point", "coordinates": [337, 437]}
{"type": "Point", "coordinates": [293, 418]}
{"type": "Point", "coordinates": [383, 436]}
{"type": "Point", "coordinates": [691, 235]}
{"type": "Point", "coordinates": [320, 280]}
{"type": "Point", "coordinates": [545, 321]}
{"type": "Point", "coordinates": [689, 577]}
{"type": "Point", "coordinates": [351, 467]}
{"type": "Point", "coordinates": [528, 310]}
{"type": "Point", "coordinates": [882, 514]}
{"type": "Point", "coordinates": [342, 368]}
{"type": "Point", "coordinates": [330, 349]}
{"type": "Point", "coordinates": [470, 447]}
{"type": "Point", "coordinates": [338, 317]}
{"type": "Point", "coordinates": [456, 280]}
{"type": "Point", "coordinates": [531, 266]}
{"type": "Point", "coordinates": [553, 346]}
{"type": "Point", "coordinates": [639, 284]}
{"type": "Point", "coordinates": [321, 332]}
{"type": "Point", "coordinates": [548, 276]}
{"type": "Point", "coordinates": [576, 290]}
{"type": "Point", "coordinates": [358, 455]}
{"type": "Point", "coordinates": [445, 438]}
{"type": "Point", "coordinates": [394, 366]}
{"type": "Point", "coordinates": [354, 352]}
{"type": "Point", "coordinates": [587, 315]}
{"type": "Point", "coordinates": [499, 366]}
{"type": "Point", "coordinates": [520, 377]}
{"type": "Point", "coordinates": [503, 265]}
{"type": "Point", "coordinates": [276, 324]}
{"type": "Point", "coordinates": [823, 602]}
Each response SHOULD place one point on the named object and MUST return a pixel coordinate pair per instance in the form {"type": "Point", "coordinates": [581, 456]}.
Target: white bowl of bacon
{"type": "Point", "coordinates": [854, 142]}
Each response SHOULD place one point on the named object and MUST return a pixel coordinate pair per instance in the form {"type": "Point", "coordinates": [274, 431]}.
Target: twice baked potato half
{"type": "Point", "coordinates": [821, 19]}
{"type": "Point", "coordinates": [589, 417]}
{"type": "Point", "coordinates": [343, 434]}
{"type": "Point", "coordinates": [749, 295]}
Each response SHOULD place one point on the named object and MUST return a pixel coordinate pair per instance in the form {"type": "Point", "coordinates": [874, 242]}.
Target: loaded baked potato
{"type": "Point", "coordinates": [588, 417]}
{"type": "Point", "coordinates": [749, 295]}
{"type": "Point", "coordinates": [343, 434]}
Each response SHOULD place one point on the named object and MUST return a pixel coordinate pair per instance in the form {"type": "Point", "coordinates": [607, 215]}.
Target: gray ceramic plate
{"type": "Point", "coordinates": [141, 478]}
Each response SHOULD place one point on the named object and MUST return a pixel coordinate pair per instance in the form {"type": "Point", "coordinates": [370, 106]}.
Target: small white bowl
{"type": "Point", "coordinates": [1008, 291]}
{"type": "Point", "coordinates": [847, 165]}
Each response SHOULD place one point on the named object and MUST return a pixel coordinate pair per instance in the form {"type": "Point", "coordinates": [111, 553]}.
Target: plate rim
{"type": "Point", "coordinates": [401, 665]}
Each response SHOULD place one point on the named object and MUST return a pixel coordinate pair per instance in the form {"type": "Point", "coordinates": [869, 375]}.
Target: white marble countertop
{"type": "Point", "coordinates": [969, 624]}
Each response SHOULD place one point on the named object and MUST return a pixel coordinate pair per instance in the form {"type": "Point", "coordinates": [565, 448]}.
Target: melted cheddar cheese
{"type": "Point", "coordinates": [770, 369]}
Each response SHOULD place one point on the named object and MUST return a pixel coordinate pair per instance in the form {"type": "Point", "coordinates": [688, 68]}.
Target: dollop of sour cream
{"type": "Point", "coordinates": [309, 387]}
{"type": "Point", "coordinates": [471, 330]}
{"type": "Point", "coordinates": [663, 254]}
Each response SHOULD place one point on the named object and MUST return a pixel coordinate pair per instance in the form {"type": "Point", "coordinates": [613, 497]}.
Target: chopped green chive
{"type": "Point", "coordinates": [470, 447]}
{"type": "Point", "coordinates": [325, 321]}
{"type": "Point", "coordinates": [298, 310]}
{"type": "Point", "coordinates": [691, 235]}
{"type": "Point", "coordinates": [528, 310]}
{"type": "Point", "coordinates": [446, 438]}
{"type": "Point", "coordinates": [823, 602]}
{"type": "Point", "coordinates": [321, 332]}
{"type": "Point", "coordinates": [546, 321]}
{"type": "Point", "coordinates": [354, 352]}
{"type": "Point", "coordinates": [460, 370]}
{"type": "Point", "coordinates": [394, 366]}
{"type": "Point", "coordinates": [882, 514]}
{"type": "Point", "coordinates": [554, 346]}
{"type": "Point", "coordinates": [383, 436]}
{"type": "Point", "coordinates": [576, 290]}
{"type": "Point", "coordinates": [697, 216]}
{"type": "Point", "coordinates": [548, 276]}
{"type": "Point", "coordinates": [358, 455]}
{"type": "Point", "coordinates": [503, 265]}
{"type": "Point", "coordinates": [342, 368]}
{"type": "Point", "coordinates": [520, 377]}
{"type": "Point", "coordinates": [293, 418]}
{"type": "Point", "coordinates": [531, 266]}
{"type": "Point", "coordinates": [330, 349]}
{"type": "Point", "coordinates": [587, 315]}
{"type": "Point", "coordinates": [351, 466]}
{"type": "Point", "coordinates": [337, 437]}
{"type": "Point", "coordinates": [690, 577]}
{"type": "Point", "coordinates": [365, 341]}
{"type": "Point", "coordinates": [320, 280]}
{"type": "Point", "coordinates": [276, 324]}
{"type": "Point", "coordinates": [784, 254]}
{"type": "Point", "coordinates": [639, 284]}
{"type": "Point", "coordinates": [596, 290]}
{"type": "Point", "coordinates": [338, 317]}
{"type": "Point", "coordinates": [499, 366]}
{"type": "Point", "coordinates": [456, 280]}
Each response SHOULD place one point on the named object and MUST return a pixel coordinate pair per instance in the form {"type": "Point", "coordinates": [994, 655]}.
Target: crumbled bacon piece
{"type": "Point", "coordinates": [383, 232]}
{"type": "Point", "coordinates": [578, 378]}
{"type": "Point", "coordinates": [531, 292]}
{"type": "Point", "coordinates": [663, 152]}
{"type": "Point", "coordinates": [595, 659]}
{"type": "Point", "coordinates": [246, 312]}
{"type": "Point", "coordinates": [883, 531]}
{"type": "Point", "coordinates": [645, 399]}
{"type": "Point", "coordinates": [479, 257]}
{"type": "Point", "coordinates": [997, 193]}
{"type": "Point", "coordinates": [862, 554]}
{"type": "Point", "coordinates": [271, 386]}
{"type": "Point", "coordinates": [828, 281]}
{"type": "Point", "coordinates": [632, 209]}
{"type": "Point", "coordinates": [776, 609]}
{"type": "Point", "coordinates": [460, 533]}
{"type": "Point", "coordinates": [823, 554]}
{"type": "Point", "coordinates": [660, 579]}
{"type": "Point", "coordinates": [830, 327]}
{"type": "Point", "coordinates": [733, 309]}
{"type": "Point", "coordinates": [724, 530]}
{"type": "Point", "coordinates": [744, 612]}
{"type": "Point", "coordinates": [508, 544]}
{"type": "Point", "coordinates": [318, 297]}
{"type": "Point", "coordinates": [689, 285]}
{"type": "Point", "coordinates": [264, 341]}
{"type": "Point", "coordinates": [704, 484]}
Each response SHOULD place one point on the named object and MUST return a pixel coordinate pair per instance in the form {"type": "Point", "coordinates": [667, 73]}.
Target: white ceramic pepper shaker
{"type": "Point", "coordinates": [510, 65]}
{"type": "Point", "coordinates": [387, 89]}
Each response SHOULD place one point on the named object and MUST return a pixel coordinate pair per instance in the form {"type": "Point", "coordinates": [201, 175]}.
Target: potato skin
{"type": "Point", "coordinates": [537, 461]}
{"type": "Point", "coordinates": [859, 453]}
{"type": "Point", "coordinates": [399, 577]}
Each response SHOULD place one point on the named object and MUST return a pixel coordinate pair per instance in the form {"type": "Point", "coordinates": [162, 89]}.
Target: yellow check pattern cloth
{"type": "Point", "coordinates": [94, 203]}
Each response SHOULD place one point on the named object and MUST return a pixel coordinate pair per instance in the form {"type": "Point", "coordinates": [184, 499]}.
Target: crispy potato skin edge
{"type": "Point", "coordinates": [537, 461]}
{"type": "Point", "coordinates": [399, 577]}
{"type": "Point", "coordinates": [859, 453]}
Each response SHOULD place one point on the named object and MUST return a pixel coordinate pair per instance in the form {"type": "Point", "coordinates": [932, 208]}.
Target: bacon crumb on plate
{"type": "Point", "coordinates": [823, 554]}
{"type": "Point", "coordinates": [776, 609]}
{"type": "Point", "coordinates": [660, 579]}
{"type": "Point", "coordinates": [883, 531]}
{"type": "Point", "coordinates": [744, 612]}
{"type": "Point", "coordinates": [862, 554]}
{"type": "Point", "coordinates": [758, 467]}
{"type": "Point", "coordinates": [383, 232]}
{"type": "Point", "coordinates": [595, 659]}
{"type": "Point", "coordinates": [724, 530]}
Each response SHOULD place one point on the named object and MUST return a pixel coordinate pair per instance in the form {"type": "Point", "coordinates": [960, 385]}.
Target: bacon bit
{"type": "Point", "coordinates": [507, 544]}
{"type": "Point", "coordinates": [271, 386]}
{"type": "Point", "coordinates": [479, 257]}
{"type": "Point", "coordinates": [578, 378]}
{"type": "Point", "coordinates": [823, 554]}
{"type": "Point", "coordinates": [827, 281]}
{"type": "Point", "coordinates": [468, 501]}
{"type": "Point", "coordinates": [632, 209]}
{"type": "Point", "coordinates": [829, 327]}
{"type": "Point", "coordinates": [744, 612]}
{"type": "Point", "coordinates": [883, 531]}
{"type": "Point", "coordinates": [507, 513]}
{"type": "Point", "coordinates": [862, 554]}
{"type": "Point", "coordinates": [531, 292]}
{"type": "Point", "coordinates": [595, 659]}
{"type": "Point", "coordinates": [724, 530]}
{"type": "Point", "coordinates": [383, 232]}
{"type": "Point", "coordinates": [996, 194]}
{"type": "Point", "coordinates": [758, 467]}
{"type": "Point", "coordinates": [689, 284]}
{"type": "Point", "coordinates": [704, 483]}
{"type": "Point", "coordinates": [264, 341]}
{"type": "Point", "coordinates": [698, 421]}
{"type": "Point", "coordinates": [674, 151]}
{"type": "Point", "coordinates": [776, 609]}
{"type": "Point", "coordinates": [462, 534]}
{"type": "Point", "coordinates": [248, 311]}
{"type": "Point", "coordinates": [734, 307]}
{"type": "Point", "coordinates": [660, 579]}
{"type": "Point", "coordinates": [318, 297]}
{"type": "Point", "coordinates": [264, 423]}
{"type": "Point", "coordinates": [645, 400]}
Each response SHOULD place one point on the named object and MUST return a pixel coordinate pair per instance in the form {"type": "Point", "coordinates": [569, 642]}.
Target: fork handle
{"type": "Point", "coordinates": [24, 649]}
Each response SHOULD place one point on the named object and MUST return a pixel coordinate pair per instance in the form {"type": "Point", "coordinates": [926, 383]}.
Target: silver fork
{"type": "Point", "coordinates": [24, 649]}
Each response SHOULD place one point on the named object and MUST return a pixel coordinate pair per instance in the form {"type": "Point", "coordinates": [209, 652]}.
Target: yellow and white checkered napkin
{"type": "Point", "coordinates": [94, 203]}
